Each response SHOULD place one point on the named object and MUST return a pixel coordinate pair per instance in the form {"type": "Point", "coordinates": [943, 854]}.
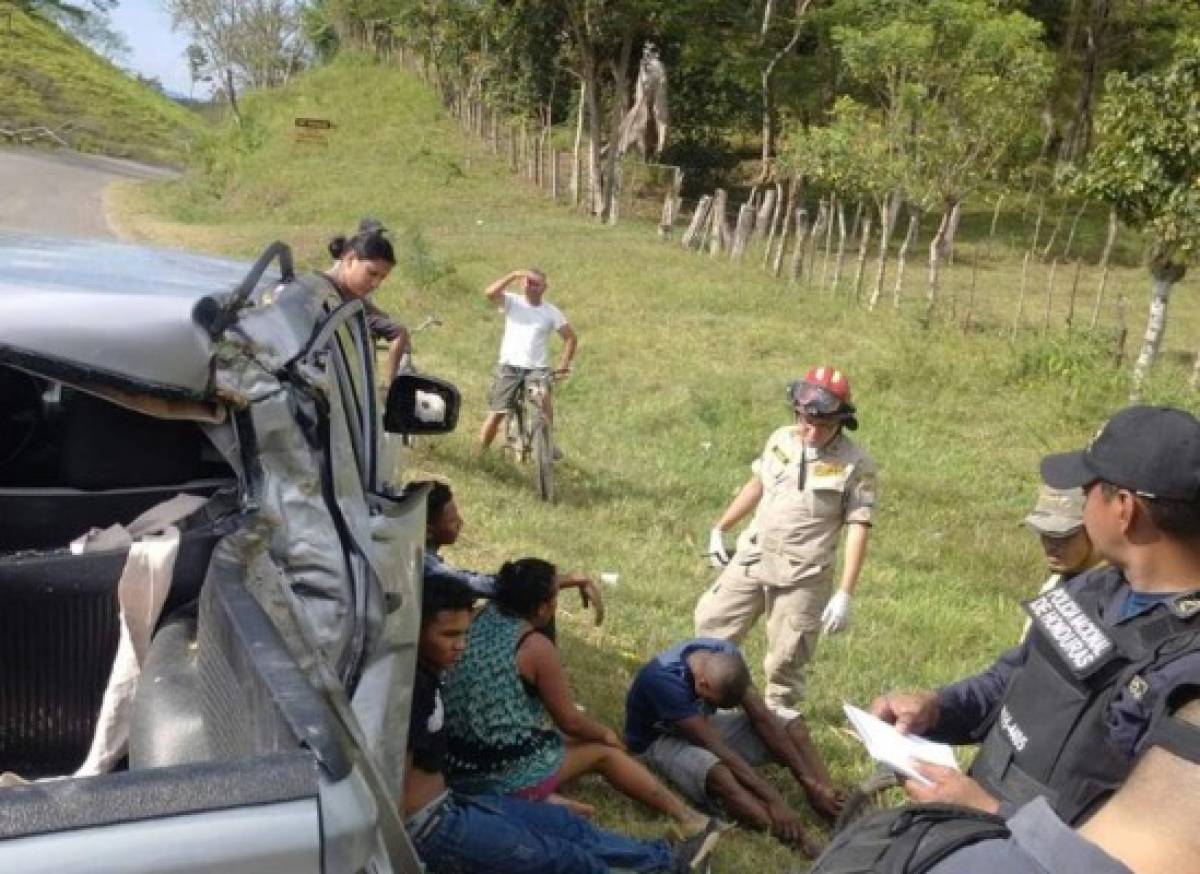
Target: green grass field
{"type": "Point", "coordinates": [681, 373]}
{"type": "Point", "coordinates": [48, 79]}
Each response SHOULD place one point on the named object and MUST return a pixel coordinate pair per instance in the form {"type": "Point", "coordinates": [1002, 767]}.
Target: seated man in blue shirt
{"type": "Point", "coordinates": [1064, 714]}
{"type": "Point", "coordinates": [671, 721]}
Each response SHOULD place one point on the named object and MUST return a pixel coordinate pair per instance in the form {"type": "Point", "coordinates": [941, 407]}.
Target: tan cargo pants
{"type": "Point", "coordinates": [731, 606]}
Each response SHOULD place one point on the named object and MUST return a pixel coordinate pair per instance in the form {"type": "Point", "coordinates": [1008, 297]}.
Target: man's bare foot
{"type": "Point", "coordinates": [576, 807]}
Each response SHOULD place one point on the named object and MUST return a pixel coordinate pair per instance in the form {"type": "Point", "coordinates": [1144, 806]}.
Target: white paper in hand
{"type": "Point", "coordinates": [885, 744]}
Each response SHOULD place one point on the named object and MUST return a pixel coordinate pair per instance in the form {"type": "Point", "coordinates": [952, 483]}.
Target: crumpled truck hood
{"type": "Point", "coordinates": [111, 313]}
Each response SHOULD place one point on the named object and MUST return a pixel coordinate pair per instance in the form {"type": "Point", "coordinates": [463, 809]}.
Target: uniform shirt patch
{"type": "Point", "coordinates": [827, 469]}
{"type": "Point", "coordinates": [1071, 631]}
{"type": "Point", "coordinates": [781, 456]}
{"type": "Point", "coordinates": [1187, 607]}
{"type": "Point", "coordinates": [1015, 734]}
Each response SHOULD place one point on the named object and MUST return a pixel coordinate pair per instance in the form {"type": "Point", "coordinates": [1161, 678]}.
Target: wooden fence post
{"type": "Point", "coordinates": [779, 211]}
{"type": "Point", "coordinates": [1049, 295]}
{"type": "Point", "coordinates": [840, 260]}
{"type": "Point", "coordinates": [554, 175]}
{"type": "Point", "coordinates": [696, 226]}
{"type": "Point", "coordinates": [1074, 291]}
{"type": "Point", "coordinates": [910, 237]}
{"type": "Point", "coordinates": [513, 155]}
{"type": "Point", "coordinates": [802, 229]}
{"type": "Point", "coordinates": [719, 233]}
{"type": "Point", "coordinates": [777, 264]}
{"type": "Point", "coordinates": [745, 224]}
{"type": "Point", "coordinates": [862, 256]}
{"type": "Point", "coordinates": [1108, 244]}
{"type": "Point", "coordinates": [971, 296]}
{"type": "Point", "coordinates": [1021, 294]}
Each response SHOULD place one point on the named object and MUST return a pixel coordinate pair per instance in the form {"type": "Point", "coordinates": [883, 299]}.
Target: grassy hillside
{"type": "Point", "coordinates": [681, 373]}
{"type": "Point", "coordinates": [48, 78]}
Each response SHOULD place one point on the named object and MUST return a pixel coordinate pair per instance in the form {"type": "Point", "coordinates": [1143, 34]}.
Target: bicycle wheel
{"type": "Point", "coordinates": [543, 458]}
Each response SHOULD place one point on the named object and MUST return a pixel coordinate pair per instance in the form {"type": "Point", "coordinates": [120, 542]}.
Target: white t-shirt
{"type": "Point", "coordinates": [527, 330]}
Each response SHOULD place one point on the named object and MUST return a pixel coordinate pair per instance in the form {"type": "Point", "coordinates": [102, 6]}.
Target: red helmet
{"type": "Point", "coordinates": [824, 391]}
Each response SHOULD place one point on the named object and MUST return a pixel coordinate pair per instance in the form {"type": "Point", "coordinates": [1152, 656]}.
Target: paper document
{"type": "Point", "coordinates": [885, 744]}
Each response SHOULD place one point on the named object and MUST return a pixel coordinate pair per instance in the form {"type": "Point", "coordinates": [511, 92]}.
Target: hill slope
{"type": "Point", "coordinates": [48, 78]}
{"type": "Point", "coordinates": [680, 378]}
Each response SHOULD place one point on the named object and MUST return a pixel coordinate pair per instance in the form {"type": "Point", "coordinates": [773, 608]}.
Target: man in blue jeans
{"type": "Point", "coordinates": [458, 833]}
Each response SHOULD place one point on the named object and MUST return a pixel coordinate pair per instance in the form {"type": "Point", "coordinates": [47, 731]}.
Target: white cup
{"type": "Point", "coordinates": [610, 578]}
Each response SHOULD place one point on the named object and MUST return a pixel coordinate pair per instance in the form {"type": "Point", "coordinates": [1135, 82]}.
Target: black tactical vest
{"type": "Point", "coordinates": [907, 840]}
{"type": "Point", "coordinates": [1048, 736]}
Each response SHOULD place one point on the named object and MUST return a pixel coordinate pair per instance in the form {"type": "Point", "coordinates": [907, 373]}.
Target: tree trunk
{"type": "Point", "coordinates": [910, 237]}
{"type": "Point", "coordinates": [768, 82]}
{"type": "Point", "coordinates": [1108, 244]}
{"type": "Point", "coordinates": [576, 166]}
{"type": "Point", "coordinates": [1079, 135]}
{"type": "Point", "coordinates": [1163, 278]}
{"type": "Point", "coordinates": [231, 94]}
{"type": "Point", "coordinates": [595, 188]}
{"type": "Point", "coordinates": [620, 105]}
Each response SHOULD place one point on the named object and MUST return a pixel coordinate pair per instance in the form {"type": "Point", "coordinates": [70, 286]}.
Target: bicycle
{"type": "Point", "coordinates": [528, 433]}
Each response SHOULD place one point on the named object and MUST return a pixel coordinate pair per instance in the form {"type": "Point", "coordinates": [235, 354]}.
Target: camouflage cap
{"type": "Point", "coordinates": [1058, 512]}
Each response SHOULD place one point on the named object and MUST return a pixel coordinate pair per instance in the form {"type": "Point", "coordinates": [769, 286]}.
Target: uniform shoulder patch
{"type": "Point", "coordinates": [1186, 606]}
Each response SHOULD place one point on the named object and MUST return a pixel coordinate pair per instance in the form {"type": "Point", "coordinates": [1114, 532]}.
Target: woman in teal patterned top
{"type": "Point", "coordinates": [511, 721]}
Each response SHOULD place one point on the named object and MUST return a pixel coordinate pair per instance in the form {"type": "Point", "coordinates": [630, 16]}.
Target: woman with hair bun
{"type": "Point", "coordinates": [361, 263]}
{"type": "Point", "coordinates": [511, 721]}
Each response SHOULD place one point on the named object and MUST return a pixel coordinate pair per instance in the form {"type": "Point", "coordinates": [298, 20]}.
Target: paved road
{"type": "Point", "coordinates": [61, 192]}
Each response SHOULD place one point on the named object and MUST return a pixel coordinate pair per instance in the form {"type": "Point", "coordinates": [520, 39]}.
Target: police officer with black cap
{"type": "Point", "coordinates": [1147, 827]}
{"type": "Point", "coordinates": [1063, 714]}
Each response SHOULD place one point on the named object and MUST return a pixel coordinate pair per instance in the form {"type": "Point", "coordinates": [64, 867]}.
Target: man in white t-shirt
{"type": "Point", "coordinates": [529, 320]}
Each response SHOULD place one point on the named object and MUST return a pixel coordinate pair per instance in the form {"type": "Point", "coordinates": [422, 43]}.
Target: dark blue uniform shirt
{"type": "Point", "coordinates": [966, 705]}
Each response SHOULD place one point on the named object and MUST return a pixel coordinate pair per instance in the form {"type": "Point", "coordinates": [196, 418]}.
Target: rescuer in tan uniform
{"type": "Point", "coordinates": [810, 482]}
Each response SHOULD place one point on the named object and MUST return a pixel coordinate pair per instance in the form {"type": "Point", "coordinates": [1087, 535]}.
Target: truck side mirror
{"type": "Point", "coordinates": [421, 405]}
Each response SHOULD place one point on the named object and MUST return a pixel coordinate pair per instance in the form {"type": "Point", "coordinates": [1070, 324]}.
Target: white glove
{"type": "Point", "coordinates": [717, 556]}
{"type": "Point", "coordinates": [836, 615]}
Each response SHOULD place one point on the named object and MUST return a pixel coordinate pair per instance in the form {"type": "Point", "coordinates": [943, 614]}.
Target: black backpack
{"type": "Point", "coordinates": [907, 840]}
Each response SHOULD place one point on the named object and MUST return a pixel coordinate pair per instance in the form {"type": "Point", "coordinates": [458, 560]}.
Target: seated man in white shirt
{"type": "Point", "coordinates": [529, 320]}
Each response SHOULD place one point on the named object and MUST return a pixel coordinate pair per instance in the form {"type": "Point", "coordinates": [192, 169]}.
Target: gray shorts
{"type": "Point", "coordinates": [506, 385]}
{"type": "Point", "coordinates": [686, 765]}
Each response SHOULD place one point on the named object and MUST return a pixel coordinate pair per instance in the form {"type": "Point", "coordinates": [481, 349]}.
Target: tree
{"type": "Point", "coordinates": [88, 22]}
{"type": "Point", "coordinates": [958, 82]}
{"type": "Point", "coordinates": [1146, 166]}
{"type": "Point", "coordinates": [243, 43]}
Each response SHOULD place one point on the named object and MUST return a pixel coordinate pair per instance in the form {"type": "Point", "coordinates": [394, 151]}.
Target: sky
{"type": "Point", "coordinates": [155, 50]}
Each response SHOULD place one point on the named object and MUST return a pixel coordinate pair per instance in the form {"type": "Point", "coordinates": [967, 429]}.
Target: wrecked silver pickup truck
{"type": "Point", "coordinates": [209, 590]}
